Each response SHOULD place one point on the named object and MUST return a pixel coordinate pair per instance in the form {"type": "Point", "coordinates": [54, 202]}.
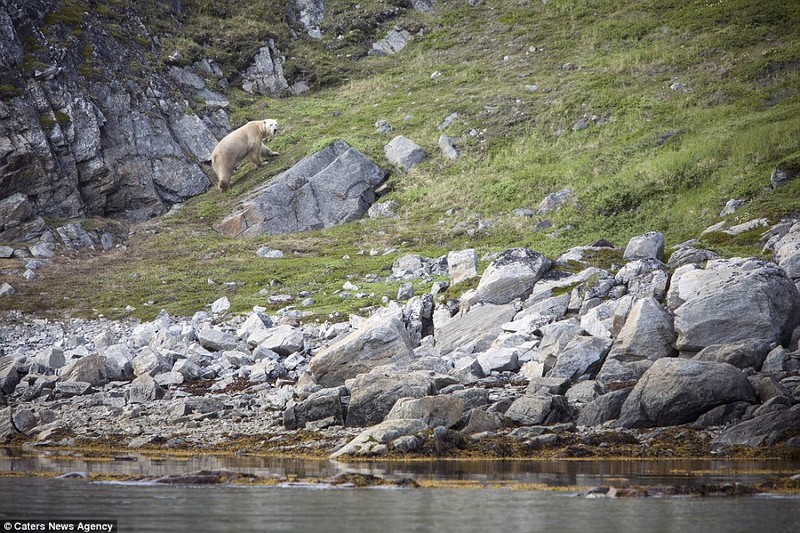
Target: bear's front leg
{"type": "Point", "coordinates": [266, 152]}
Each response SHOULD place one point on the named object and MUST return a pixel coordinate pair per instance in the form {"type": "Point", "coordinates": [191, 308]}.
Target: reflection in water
{"type": "Point", "coordinates": [583, 473]}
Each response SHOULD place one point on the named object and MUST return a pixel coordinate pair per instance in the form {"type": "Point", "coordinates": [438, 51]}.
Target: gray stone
{"type": "Point", "coordinates": [379, 340]}
{"type": "Point", "coordinates": [443, 410]}
{"type": "Point", "coordinates": [150, 362]}
{"type": "Point", "coordinates": [7, 429]}
{"type": "Point", "coordinates": [787, 252]}
{"type": "Point", "coordinates": [687, 255]}
{"type": "Point", "coordinates": [734, 300]}
{"type": "Point", "coordinates": [255, 324]}
{"type": "Point", "coordinates": [510, 276]}
{"type": "Point", "coordinates": [749, 353]}
{"type": "Point", "coordinates": [6, 289]}
{"type": "Point", "coordinates": [265, 76]}
{"type": "Point", "coordinates": [462, 265]}
{"type": "Point", "coordinates": [144, 389]}
{"type": "Point", "coordinates": [24, 419]}
{"type": "Point", "coordinates": [386, 209]}
{"type": "Point", "coordinates": [309, 14]}
{"type": "Point", "coordinates": [373, 395]}
{"type": "Point", "coordinates": [540, 409]}
{"type": "Point", "coordinates": [404, 153]}
{"type": "Point", "coordinates": [581, 357]}
{"type": "Point", "coordinates": [498, 360]}
{"type": "Point", "coordinates": [644, 278]}
{"type": "Point", "coordinates": [283, 340]}
{"type": "Point", "coordinates": [90, 369]}
{"type": "Point", "coordinates": [50, 359]}
{"type": "Point", "coordinates": [480, 421]}
{"type": "Point", "coordinates": [766, 430]}
{"type": "Point", "coordinates": [731, 206]}
{"type": "Point", "coordinates": [385, 432]}
{"type": "Point", "coordinates": [677, 391]}
{"type": "Point", "coordinates": [319, 405]}
{"type": "Point", "coordinates": [394, 41]}
{"type": "Point", "coordinates": [473, 331]}
{"type": "Point", "coordinates": [215, 340]}
{"type": "Point", "coordinates": [603, 408]}
{"type": "Point", "coordinates": [648, 332]}
{"type": "Point", "coordinates": [68, 389]}
{"type": "Point", "coordinates": [447, 146]}
{"type": "Point", "coordinates": [647, 246]}
{"type": "Point", "coordinates": [9, 375]}
{"type": "Point", "coordinates": [553, 201]}
{"type": "Point", "coordinates": [331, 187]}
{"type": "Point", "coordinates": [722, 415]}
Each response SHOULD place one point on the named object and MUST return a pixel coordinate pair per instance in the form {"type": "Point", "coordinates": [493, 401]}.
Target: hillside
{"type": "Point", "coordinates": [652, 113]}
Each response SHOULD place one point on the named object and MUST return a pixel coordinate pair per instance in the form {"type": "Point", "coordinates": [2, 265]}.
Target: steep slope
{"type": "Point", "coordinates": [646, 115]}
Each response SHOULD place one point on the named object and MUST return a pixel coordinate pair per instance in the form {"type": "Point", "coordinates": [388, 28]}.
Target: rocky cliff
{"type": "Point", "coordinates": [90, 124]}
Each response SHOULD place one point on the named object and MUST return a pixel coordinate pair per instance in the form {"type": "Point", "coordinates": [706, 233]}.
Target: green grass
{"type": "Point", "coordinates": [653, 158]}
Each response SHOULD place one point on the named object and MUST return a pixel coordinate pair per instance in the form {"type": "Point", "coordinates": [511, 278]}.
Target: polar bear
{"type": "Point", "coordinates": [240, 143]}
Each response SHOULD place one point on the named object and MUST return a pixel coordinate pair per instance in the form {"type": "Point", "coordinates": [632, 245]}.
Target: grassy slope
{"type": "Point", "coordinates": [653, 158]}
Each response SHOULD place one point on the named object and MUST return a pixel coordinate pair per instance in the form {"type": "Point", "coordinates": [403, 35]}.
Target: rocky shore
{"type": "Point", "coordinates": [690, 357]}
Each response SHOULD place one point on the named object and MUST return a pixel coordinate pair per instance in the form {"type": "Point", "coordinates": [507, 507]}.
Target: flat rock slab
{"type": "Point", "coordinates": [328, 188]}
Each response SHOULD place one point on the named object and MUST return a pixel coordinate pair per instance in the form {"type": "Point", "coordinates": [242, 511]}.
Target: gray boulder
{"type": "Point", "coordinates": [144, 389]}
{"type": "Point", "coordinates": [373, 395]}
{"type": "Point", "coordinates": [765, 430]}
{"type": "Point", "coordinates": [647, 246]}
{"type": "Point", "coordinates": [511, 276]}
{"type": "Point", "coordinates": [378, 438]}
{"type": "Point", "coordinates": [473, 331]}
{"type": "Point", "coordinates": [687, 255]}
{"type": "Point", "coordinates": [749, 353]}
{"type": "Point", "coordinates": [462, 265]}
{"type": "Point", "coordinates": [216, 340]}
{"type": "Point", "coordinates": [9, 375]}
{"type": "Point", "coordinates": [283, 340]}
{"type": "Point", "coordinates": [379, 341]}
{"type": "Point", "coordinates": [677, 391]}
{"type": "Point", "coordinates": [648, 332]}
{"type": "Point", "coordinates": [498, 360]}
{"type": "Point", "coordinates": [404, 153]}
{"type": "Point", "coordinates": [603, 408]}
{"type": "Point", "coordinates": [582, 357]}
{"type": "Point", "coordinates": [396, 39]}
{"type": "Point", "coordinates": [480, 421]}
{"type": "Point", "coordinates": [444, 410]}
{"type": "Point", "coordinates": [331, 187]}
{"type": "Point", "coordinates": [733, 300]}
{"type": "Point", "coordinates": [540, 409]}
{"type": "Point", "coordinates": [325, 404]}
{"type": "Point", "coordinates": [7, 429]}
{"type": "Point", "coordinates": [787, 252]}
{"type": "Point", "coordinates": [150, 362]}
{"type": "Point", "coordinates": [644, 278]}
{"type": "Point", "coordinates": [90, 369]}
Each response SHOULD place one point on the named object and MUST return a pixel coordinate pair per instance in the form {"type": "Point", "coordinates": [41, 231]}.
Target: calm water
{"type": "Point", "coordinates": [150, 507]}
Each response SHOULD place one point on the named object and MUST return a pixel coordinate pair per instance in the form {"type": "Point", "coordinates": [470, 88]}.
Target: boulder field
{"type": "Point", "coordinates": [540, 355]}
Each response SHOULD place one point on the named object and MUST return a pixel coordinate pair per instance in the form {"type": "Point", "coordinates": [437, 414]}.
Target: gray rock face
{"type": "Point", "coordinates": [677, 391]}
{"type": "Point", "coordinates": [90, 369]}
{"type": "Point", "coordinates": [603, 408]}
{"type": "Point", "coordinates": [309, 14]}
{"type": "Point", "coordinates": [582, 356]}
{"type": "Point", "coordinates": [404, 153]}
{"type": "Point", "coordinates": [648, 332]}
{"type": "Point", "coordinates": [511, 276]}
{"type": "Point", "coordinates": [333, 186]}
{"type": "Point", "coordinates": [265, 75]}
{"type": "Point", "coordinates": [117, 149]}
{"type": "Point", "coordinates": [379, 341]}
{"type": "Point", "coordinates": [18, 221]}
{"type": "Point", "coordinates": [734, 300]}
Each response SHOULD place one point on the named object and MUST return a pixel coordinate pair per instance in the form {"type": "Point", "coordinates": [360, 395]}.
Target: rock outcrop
{"type": "Point", "coordinates": [88, 127]}
{"type": "Point", "coordinates": [331, 187]}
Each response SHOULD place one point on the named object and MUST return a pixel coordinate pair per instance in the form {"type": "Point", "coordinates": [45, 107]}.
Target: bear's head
{"type": "Point", "coordinates": [269, 127]}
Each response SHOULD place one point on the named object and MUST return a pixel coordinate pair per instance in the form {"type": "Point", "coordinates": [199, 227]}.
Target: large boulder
{"type": "Point", "coordinates": [89, 369]}
{"type": "Point", "coordinates": [373, 395]}
{"type": "Point", "coordinates": [378, 438]}
{"type": "Point", "coordinates": [677, 391]}
{"type": "Point", "coordinates": [380, 340]}
{"type": "Point", "coordinates": [325, 404]}
{"type": "Point", "coordinates": [328, 188]}
{"type": "Point", "coordinates": [443, 410]}
{"type": "Point", "coordinates": [733, 300]}
{"type": "Point", "coordinates": [749, 353]}
{"type": "Point", "coordinates": [474, 331]}
{"type": "Point", "coordinates": [540, 409]}
{"type": "Point", "coordinates": [404, 153]}
{"type": "Point", "coordinates": [582, 356]}
{"type": "Point", "coordinates": [765, 430]}
{"type": "Point", "coordinates": [511, 276]}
